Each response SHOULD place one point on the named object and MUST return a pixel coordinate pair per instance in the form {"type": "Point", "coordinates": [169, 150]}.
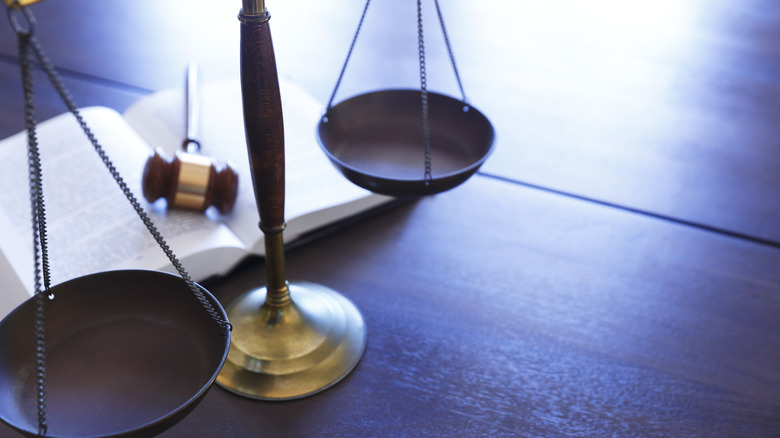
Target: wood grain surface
{"type": "Point", "coordinates": [550, 317]}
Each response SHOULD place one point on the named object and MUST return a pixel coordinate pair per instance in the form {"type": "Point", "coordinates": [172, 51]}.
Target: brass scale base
{"type": "Point", "coordinates": [298, 349]}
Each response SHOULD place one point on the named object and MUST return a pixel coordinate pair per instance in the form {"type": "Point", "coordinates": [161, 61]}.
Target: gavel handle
{"type": "Point", "coordinates": [263, 122]}
{"type": "Point", "coordinates": [192, 109]}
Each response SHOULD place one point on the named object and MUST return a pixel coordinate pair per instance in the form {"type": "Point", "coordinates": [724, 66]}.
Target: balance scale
{"type": "Point", "coordinates": [99, 363]}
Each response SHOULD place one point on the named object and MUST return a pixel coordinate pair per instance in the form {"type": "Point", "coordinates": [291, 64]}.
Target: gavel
{"type": "Point", "coordinates": [190, 180]}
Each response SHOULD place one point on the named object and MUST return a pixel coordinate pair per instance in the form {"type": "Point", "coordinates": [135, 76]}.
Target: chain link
{"type": "Point", "coordinates": [15, 10]}
{"type": "Point", "coordinates": [449, 50]}
{"type": "Point", "coordinates": [349, 54]}
{"type": "Point", "coordinates": [40, 242]}
{"type": "Point", "coordinates": [426, 129]}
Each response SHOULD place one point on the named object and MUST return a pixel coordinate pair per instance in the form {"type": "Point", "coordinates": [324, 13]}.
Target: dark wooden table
{"type": "Point", "coordinates": [614, 269]}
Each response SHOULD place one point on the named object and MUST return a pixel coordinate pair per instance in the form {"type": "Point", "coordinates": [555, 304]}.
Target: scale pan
{"type": "Point", "coordinates": [375, 140]}
{"type": "Point", "coordinates": [128, 353]}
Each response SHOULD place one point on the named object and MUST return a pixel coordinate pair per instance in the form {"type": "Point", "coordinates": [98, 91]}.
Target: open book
{"type": "Point", "coordinates": [92, 227]}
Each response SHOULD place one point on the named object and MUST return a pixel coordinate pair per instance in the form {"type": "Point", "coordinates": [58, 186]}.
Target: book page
{"type": "Point", "coordinates": [313, 185]}
{"type": "Point", "coordinates": [91, 225]}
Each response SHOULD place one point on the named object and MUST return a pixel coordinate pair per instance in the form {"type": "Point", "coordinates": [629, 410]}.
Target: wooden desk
{"type": "Point", "coordinates": [613, 271]}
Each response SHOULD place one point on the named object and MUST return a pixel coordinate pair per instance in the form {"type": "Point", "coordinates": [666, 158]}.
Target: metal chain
{"type": "Point", "coordinates": [41, 259]}
{"type": "Point", "coordinates": [426, 130]}
{"type": "Point", "coordinates": [349, 54]}
{"type": "Point", "coordinates": [449, 50]}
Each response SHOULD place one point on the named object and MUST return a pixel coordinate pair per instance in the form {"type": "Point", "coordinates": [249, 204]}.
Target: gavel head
{"type": "Point", "coordinates": [190, 181]}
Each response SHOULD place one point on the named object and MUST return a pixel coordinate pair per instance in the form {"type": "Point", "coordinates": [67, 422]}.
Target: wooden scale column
{"type": "Point", "coordinates": [288, 340]}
